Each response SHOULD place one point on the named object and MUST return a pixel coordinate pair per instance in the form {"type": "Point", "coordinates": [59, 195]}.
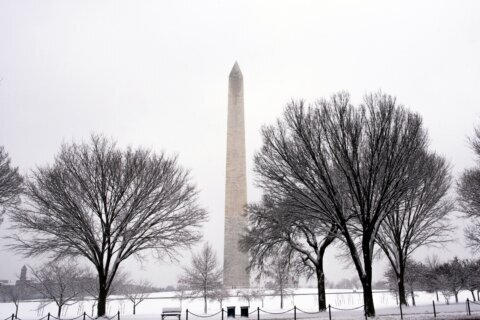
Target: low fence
{"type": "Point", "coordinates": [295, 310]}
{"type": "Point", "coordinates": [245, 313]}
{"type": "Point", "coordinates": [84, 316]}
{"type": "Point", "coordinates": [258, 311]}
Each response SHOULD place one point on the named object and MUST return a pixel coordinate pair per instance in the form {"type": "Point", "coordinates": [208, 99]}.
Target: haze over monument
{"type": "Point", "coordinates": [235, 261]}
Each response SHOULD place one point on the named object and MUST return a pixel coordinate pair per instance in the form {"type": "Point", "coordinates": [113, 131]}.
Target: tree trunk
{"type": "Point", "coordinates": [281, 299]}
{"type": "Point", "coordinates": [436, 292]}
{"type": "Point", "coordinates": [16, 310]}
{"type": "Point", "coordinates": [473, 295]}
{"type": "Point", "coordinates": [205, 303]}
{"type": "Point", "coordinates": [368, 297]}
{"type": "Point", "coordinates": [478, 295]}
{"type": "Point", "coordinates": [413, 298]}
{"type": "Point", "coordinates": [102, 297]}
{"type": "Point", "coordinates": [456, 297]}
{"type": "Point", "coordinates": [134, 307]}
{"type": "Point", "coordinates": [59, 314]}
{"type": "Point", "coordinates": [367, 280]}
{"type": "Point", "coordinates": [321, 287]}
{"type": "Point", "coordinates": [402, 295]}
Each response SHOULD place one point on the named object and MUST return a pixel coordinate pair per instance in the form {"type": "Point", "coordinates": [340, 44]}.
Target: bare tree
{"type": "Point", "coordinates": [414, 277]}
{"type": "Point", "coordinates": [220, 295]}
{"type": "Point", "coordinates": [352, 165]}
{"type": "Point", "coordinates": [60, 282]}
{"type": "Point", "coordinates": [471, 271]}
{"type": "Point", "coordinates": [10, 183]}
{"type": "Point", "coordinates": [260, 294]}
{"type": "Point", "coordinates": [204, 276]}
{"type": "Point", "coordinates": [281, 276]}
{"type": "Point", "coordinates": [420, 218]}
{"type": "Point", "coordinates": [281, 226]}
{"type": "Point", "coordinates": [248, 294]}
{"type": "Point", "coordinates": [104, 204]}
{"type": "Point", "coordinates": [468, 189]}
{"type": "Point", "coordinates": [137, 292]}
{"type": "Point", "coordinates": [452, 278]}
{"type": "Point", "coordinates": [430, 280]}
{"type": "Point", "coordinates": [14, 294]}
{"type": "Point", "coordinates": [181, 293]}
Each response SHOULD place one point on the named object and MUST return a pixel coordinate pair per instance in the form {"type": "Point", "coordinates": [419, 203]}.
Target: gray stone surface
{"type": "Point", "coordinates": [235, 261]}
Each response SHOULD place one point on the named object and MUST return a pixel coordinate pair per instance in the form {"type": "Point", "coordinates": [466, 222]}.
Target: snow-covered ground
{"type": "Point", "coordinates": [304, 299]}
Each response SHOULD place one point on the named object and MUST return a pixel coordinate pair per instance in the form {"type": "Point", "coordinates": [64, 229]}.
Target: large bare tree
{"type": "Point", "coordinates": [420, 218]}
{"type": "Point", "coordinates": [10, 183]}
{"type": "Point", "coordinates": [282, 227]}
{"type": "Point", "coordinates": [204, 276]}
{"type": "Point", "coordinates": [106, 204]}
{"type": "Point", "coordinates": [351, 164]}
{"type": "Point", "coordinates": [468, 189]}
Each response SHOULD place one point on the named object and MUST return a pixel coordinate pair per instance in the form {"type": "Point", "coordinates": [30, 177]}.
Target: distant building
{"type": "Point", "coordinates": [23, 277]}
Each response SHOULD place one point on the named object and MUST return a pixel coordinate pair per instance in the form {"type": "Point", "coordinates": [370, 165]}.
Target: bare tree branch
{"type": "Point", "coordinates": [10, 183]}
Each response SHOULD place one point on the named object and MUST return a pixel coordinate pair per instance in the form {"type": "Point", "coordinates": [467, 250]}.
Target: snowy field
{"type": "Point", "coordinates": [305, 300]}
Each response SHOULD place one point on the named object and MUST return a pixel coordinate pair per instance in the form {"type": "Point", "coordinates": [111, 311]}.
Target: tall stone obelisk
{"type": "Point", "coordinates": [235, 261]}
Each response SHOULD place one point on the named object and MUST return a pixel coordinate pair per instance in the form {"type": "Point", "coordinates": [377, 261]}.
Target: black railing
{"type": "Point", "coordinates": [83, 316]}
{"type": "Point", "coordinates": [258, 310]}
{"type": "Point", "coordinates": [329, 309]}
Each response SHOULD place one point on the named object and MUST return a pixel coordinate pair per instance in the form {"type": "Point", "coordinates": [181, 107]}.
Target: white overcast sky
{"type": "Point", "coordinates": [154, 73]}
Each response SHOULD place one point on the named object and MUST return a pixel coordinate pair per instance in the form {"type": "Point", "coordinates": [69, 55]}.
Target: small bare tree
{"type": "Point", "coordinates": [248, 295]}
{"type": "Point", "coordinates": [281, 276]}
{"type": "Point", "coordinates": [13, 294]}
{"type": "Point", "coordinates": [420, 219]}
{"type": "Point", "coordinates": [10, 183]}
{"type": "Point", "coordinates": [204, 276]}
{"type": "Point", "coordinates": [181, 293]}
{"type": "Point", "coordinates": [452, 278]}
{"type": "Point", "coordinates": [60, 282]}
{"type": "Point", "coordinates": [106, 205]}
{"type": "Point", "coordinates": [471, 270]}
{"type": "Point", "coordinates": [220, 295]}
{"type": "Point", "coordinates": [137, 292]}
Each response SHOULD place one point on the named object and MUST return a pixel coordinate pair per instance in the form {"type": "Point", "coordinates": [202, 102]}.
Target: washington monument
{"type": "Point", "coordinates": [235, 261]}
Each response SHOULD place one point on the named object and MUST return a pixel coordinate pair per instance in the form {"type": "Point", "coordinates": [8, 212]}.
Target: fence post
{"type": "Point", "coordinates": [13, 315]}
{"type": "Point", "coordinates": [468, 307]}
{"type": "Point", "coordinates": [48, 316]}
{"type": "Point", "coordinates": [434, 311]}
{"type": "Point", "coordinates": [186, 314]}
{"type": "Point", "coordinates": [118, 315]}
{"type": "Point", "coordinates": [222, 313]}
{"type": "Point", "coordinates": [294, 312]}
{"type": "Point", "coordinates": [329, 313]}
{"type": "Point", "coordinates": [258, 313]}
{"type": "Point", "coordinates": [84, 315]}
{"type": "Point", "coordinates": [401, 312]}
